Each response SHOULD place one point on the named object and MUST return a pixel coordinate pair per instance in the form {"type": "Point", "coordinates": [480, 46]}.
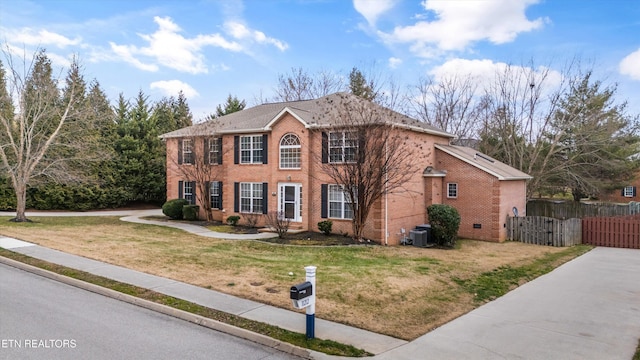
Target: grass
{"type": "Point", "coordinates": [325, 346]}
{"type": "Point", "coordinates": [399, 291]}
{"type": "Point", "coordinates": [493, 284]}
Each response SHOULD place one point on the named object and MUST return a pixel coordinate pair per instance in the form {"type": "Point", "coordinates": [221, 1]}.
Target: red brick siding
{"type": "Point", "coordinates": [403, 208]}
{"type": "Point", "coordinates": [482, 199]}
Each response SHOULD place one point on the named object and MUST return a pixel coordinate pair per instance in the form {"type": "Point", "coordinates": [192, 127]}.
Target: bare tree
{"type": "Point", "coordinates": [44, 133]}
{"type": "Point", "coordinates": [300, 85]}
{"type": "Point", "coordinates": [560, 127]}
{"type": "Point", "coordinates": [520, 107]}
{"type": "Point", "coordinates": [365, 154]}
{"type": "Point", "coordinates": [200, 154]}
{"type": "Point", "coordinates": [453, 104]}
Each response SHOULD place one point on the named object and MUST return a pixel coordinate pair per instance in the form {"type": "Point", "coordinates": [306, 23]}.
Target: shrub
{"type": "Point", "coordinates": [277, 221]}
{"type": "Point", "coordinates": [252, 219]}
{"type": "Point", "coordinates": [325, 226]}
{"type": "Point", "coordinates": [445, 222]}
{"type": "Point", "coordinates": [233, 220]}
{"type": "Point", "coordinates": [190, 212]}
{"type": "Point", "coordinates": [173, 208]}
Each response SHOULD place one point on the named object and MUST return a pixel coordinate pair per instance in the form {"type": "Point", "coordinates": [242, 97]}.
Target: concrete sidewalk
{"type": "Point", "coordinates": [286, 319]}
{"type": "Point", "coordinates": [136, 216]}
{"type": "Point", "coordinates": [588, 308]}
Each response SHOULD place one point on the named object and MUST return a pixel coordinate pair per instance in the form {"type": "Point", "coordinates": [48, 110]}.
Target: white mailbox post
{"type": "Point", "coordinates": [304, 296]}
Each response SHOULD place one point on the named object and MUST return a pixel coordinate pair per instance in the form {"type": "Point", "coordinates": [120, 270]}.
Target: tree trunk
{"type": "Point", "coordinates": [21, 202]}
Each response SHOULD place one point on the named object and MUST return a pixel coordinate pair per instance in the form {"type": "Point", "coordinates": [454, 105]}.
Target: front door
{"type": "Point", "coordinates": [290, 201]}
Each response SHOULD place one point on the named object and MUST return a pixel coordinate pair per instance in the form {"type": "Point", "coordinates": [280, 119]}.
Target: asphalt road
{"type": "Point", "coordinates": [44, 319]}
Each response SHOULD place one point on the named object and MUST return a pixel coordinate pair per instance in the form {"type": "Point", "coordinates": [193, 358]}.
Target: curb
{"type": "Point", "coordinates": [164, 309]}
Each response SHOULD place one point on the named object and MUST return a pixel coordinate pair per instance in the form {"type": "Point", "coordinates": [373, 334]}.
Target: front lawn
{"type": "Point", "coordinates": [400, 291]}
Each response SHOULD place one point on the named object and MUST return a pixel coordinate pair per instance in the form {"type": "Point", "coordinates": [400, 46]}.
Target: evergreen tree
{"type": "Point", "coordinates": [232, 105]}
{"type": "Point", "coordinates": [359, 86]}
{"type": "Point", "coordinates": [597, 140]}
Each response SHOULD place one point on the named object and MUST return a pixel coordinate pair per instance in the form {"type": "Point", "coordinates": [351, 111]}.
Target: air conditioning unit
{"type": "Point", "coordinates": [418, 238]}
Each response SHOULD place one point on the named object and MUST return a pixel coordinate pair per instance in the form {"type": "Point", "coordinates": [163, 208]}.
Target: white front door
{"type": "Point", "coordinates": [290, 201]}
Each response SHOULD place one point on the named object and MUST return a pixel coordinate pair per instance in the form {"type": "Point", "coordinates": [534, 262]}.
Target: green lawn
{"type": "Point", "coordinates": [400, 291]}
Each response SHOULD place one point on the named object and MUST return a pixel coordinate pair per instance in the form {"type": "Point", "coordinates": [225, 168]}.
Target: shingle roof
{"type": "Point", "coordinates": [317, 113]}
{"type": "Point", "coordinates": [484, 162]}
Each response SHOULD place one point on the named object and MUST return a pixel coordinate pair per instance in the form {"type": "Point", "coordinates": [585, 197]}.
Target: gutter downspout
{"type": "Point", "coordinates": [386, 202]}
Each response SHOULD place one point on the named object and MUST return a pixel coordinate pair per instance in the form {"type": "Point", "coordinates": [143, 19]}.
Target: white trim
{"type": "Point", "coordinates": [297, 202]}
{"type": "Point", "coordinates": [279, 115]}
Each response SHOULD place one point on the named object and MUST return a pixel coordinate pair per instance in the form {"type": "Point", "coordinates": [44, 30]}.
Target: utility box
{"type": "Point", "coordinates": [421, 236]}
{"type": "Point", "coordinates": [300, 295]}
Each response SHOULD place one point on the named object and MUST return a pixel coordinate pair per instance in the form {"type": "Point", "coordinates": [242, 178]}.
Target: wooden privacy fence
{"type": "Point", "coordinates": [575, 209]}
{"type": "Point", "coordinates": [620, 232]}
{"type": "Point", "coordinates": [543, 230]}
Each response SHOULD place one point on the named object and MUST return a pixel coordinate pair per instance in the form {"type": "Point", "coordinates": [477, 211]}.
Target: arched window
{"type": "Point", "coordinates": [290, 152]}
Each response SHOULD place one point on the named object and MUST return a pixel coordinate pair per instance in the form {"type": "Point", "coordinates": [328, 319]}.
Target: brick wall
{"type": "Point", "coordinates": [483, 201]}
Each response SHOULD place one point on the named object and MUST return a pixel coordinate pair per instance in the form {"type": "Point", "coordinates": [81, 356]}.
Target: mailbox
{"type": "Point", "coordinates": [301, 291]}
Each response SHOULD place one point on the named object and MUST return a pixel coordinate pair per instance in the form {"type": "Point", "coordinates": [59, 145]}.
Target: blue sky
{"type": "Point", "coordinates": [209, 49]}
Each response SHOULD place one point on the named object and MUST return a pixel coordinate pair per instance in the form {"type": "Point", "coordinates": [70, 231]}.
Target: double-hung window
{"type": "Point", "coordinates": [187, 191]}
{"type": "Point", "coordinates": [452, 190]}
{"type": "Point", "coordinates": [187, 151]}
{"type": "Point", "coordinates": [251, 197]}
{"type": "Point", "coordinates": [343, 146]}
{"type": "Point", "coordinates": [290, 152]}
{"type": "Point", "coordinates": [214, 151]}
{"type": "Point", "coordinates": [629, 191]}
{"type": "Point", "coordinates": [340, 204]}
{"type": "Point", "coordinates": [251, 149]}
{"type": "Point", "coordinates": [215, 191]}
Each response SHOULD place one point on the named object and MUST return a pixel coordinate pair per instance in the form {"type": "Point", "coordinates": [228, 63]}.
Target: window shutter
{"type": "Point", "coordinates": [236, 197]}
{"type": "Point", "coordinates": [325, 147]}
{"type": "Point", "coordinates": [622, 192]}
{"type": "Point", "coordinates": [193, 193]}
{"type": "Point", "coordinates": [180, 189]}
{"type": "Point", "coordinates": [207, 185]}
{"type": "Point", "coordinates": [180, 153]}
{"type": "Point", "coordinates": [634, 191]}
{"type": "Point", "coordinates": [265, 198]}
{"type": "Point", "coordinates": [206, 151]}
{"type": "Point", "coordinates": [219, 140]}
{"type": "Point", "coordinates": [265, 150]}
{"type": "Point", "coordinates": [220, 193]}
{"type": "Point", "coordinates": [236, 149]}
{"type": "Point", "coordinates": [324, 199]}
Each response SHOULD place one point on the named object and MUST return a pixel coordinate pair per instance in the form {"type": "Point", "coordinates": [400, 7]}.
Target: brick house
{"type": "Point", "coordinates": [265, 159]}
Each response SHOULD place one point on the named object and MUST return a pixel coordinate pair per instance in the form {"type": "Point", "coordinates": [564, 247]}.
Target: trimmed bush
{"type": "Point", "coordinates": [173, 208]}
{"type": "Point", "coordinates": [445, 222]}
{"type": "Point", "coordinates": [233, 220]}
{"type": "Point", "coordinates": [190, 212]}
{"type": "Point", "coordinates": [325, 226]}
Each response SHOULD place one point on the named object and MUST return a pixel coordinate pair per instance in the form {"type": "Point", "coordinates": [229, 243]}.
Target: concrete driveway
{"type": "Point", "coordinates": [588, 308]}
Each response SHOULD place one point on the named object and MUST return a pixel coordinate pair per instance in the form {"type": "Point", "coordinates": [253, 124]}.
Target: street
{"type": "Point", "coordinates": [43, 319]}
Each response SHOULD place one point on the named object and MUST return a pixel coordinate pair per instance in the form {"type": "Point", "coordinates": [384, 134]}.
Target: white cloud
{"type": "Point", "coordinates": [458, 24]}
{"type": "Point", "coordinates": [28, 36]}
{"type": "Point", "coordinates": [241, 32]}
{"type": "Point", "coordinates": [630, 65]}
{"type": "Point", "coordinates": [484, 73]}
{"type": "Point", "coordinates": [126, 53]}
{"type": "Point", "coordinates": [394, 62]}
{"type": "Point", "coordinates": [173, 87]}
{"type": "Point", "coordinates": [169, 48]}
{"type": "Point", "coordinates": [372, 9]}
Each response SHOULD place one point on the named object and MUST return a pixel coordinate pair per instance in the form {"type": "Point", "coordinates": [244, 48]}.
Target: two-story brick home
{"type": "Point", "coordinates": [263, 159]}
